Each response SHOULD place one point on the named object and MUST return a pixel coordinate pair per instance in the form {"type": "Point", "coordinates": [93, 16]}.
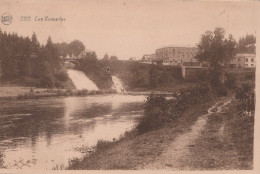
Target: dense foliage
{"type": "Point", "coordinates": [73, 48]}
{"type": "Point", "coordinates": [247, 44]}
{"type": "Point", "coordinates": [215, 50]}
{"type": "Point", "coordinates": [159, 111]}
{"type": "Point", "coordinates": [230, 81]}
{"type": "Point", "coordinates": [246, 95]}
{"type": "Point", "coordinates": [25, 61]}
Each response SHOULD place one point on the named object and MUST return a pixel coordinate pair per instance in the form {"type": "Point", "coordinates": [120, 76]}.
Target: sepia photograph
{"type": "Point", "coordinates": [124, 85]}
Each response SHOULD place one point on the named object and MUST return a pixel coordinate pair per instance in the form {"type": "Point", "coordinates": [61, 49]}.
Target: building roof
{"type": "Point", "coordinates": [178, 46]}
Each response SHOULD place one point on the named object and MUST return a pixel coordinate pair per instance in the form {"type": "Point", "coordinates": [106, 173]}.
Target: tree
{"type": "Point", "coordinates": [113, 58]}
{"type": "Point", "coordinates": [62, 49]}
{"type": "Point", "coordinates": [76, 47]}
{"type": "Point", "coordinates": [247, 44]}
{"type": "Point", "coordinates": [106, 57]}
{"type": "Point", "coordinates": [35, 43]}
{"type": "Point", "coordinates": [215, 50]}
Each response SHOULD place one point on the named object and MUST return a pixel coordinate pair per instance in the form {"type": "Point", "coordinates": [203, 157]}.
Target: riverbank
{"type": "Point", "coordinates": [218, 144]}
{"type": "Point", "coordinates": [134, 151]}
{"type": "Point", "coordinates": [19, 92]}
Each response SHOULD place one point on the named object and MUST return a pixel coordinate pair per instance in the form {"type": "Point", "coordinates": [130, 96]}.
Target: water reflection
{"type": "Point", "coordinates": [46, 132]}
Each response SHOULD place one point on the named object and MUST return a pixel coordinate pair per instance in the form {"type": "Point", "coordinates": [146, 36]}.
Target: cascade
{"type": "Point", "coordinates": [81, 81]}
{"type": "Point", "coordinates": [118, 85]}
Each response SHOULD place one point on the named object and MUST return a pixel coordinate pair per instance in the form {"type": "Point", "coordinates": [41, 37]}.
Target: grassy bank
{"type": "Point", "coordinates": [241, 129]}
{"type": "Point", "coordinates": [23, 93]}
{"type": "Point", "coordinates": [134, 150]}
{"type": "Point", "coordinates": [226, 142]}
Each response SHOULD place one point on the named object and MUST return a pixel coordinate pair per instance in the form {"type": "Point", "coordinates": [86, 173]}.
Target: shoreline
{"type": "Point", "coordinates": [39, 93]}
{"type": "Point", "coordinates": [140, 149]}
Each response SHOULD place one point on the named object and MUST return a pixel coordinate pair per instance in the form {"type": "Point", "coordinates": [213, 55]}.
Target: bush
{"type": "Point", "coordinates": [220, 90]}
{"type": "Point", "coordinates": [230, 81]}
{"type": "Point", "coordinates": [62, 76]}
{"type": "Point", "coordinates": [250, 76]}
{"type": "Point", "coordinates": [155, 114]}
{"type": "Point", "coordinates": [159, 111]}
{"type": "Point", "coordinates": [246, 95]}
{"type": "Point", "coordinates": [101, 145]}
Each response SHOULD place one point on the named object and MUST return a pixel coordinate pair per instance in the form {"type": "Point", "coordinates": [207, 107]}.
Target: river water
{"type": "Point", "coordinates": [46, 133]}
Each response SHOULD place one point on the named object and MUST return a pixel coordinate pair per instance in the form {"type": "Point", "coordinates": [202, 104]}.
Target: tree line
{"type": "Point", "coordinates": [25, 61]}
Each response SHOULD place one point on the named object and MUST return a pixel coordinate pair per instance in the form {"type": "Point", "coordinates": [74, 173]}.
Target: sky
{"type": "Point", "coordinates": [129, 28]}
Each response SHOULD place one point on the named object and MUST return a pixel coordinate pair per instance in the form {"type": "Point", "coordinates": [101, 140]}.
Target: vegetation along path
{"type": "Point", "coordinates": [209, 136]}
{"type": "Point", "coordinates": [206, 146]}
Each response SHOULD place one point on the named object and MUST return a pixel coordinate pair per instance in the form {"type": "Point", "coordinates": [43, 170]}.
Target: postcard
{"type": "Point", "coordinates": [143, 85]}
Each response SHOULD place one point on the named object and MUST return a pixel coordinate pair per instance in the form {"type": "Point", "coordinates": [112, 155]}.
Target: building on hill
{"type": "Point", "coordinates": [176, 55]}
{"type": "Point", "coordinates": [243, 61]}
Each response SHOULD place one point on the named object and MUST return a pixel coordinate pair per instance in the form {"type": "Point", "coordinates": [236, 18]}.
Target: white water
{"type": "Point", "coordinates": [81, 81]}
{"type": "Point", "coordinates": [118, 86]}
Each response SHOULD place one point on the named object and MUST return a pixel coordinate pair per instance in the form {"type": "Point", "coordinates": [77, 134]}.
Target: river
{"type": "Point", "coordinates": [47, 133]}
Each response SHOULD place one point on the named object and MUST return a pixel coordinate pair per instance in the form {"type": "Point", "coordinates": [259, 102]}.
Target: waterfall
{"type": "Point", "coordinates": [81, 81]}
{"type": "Point", "coordinates": [118, 86]}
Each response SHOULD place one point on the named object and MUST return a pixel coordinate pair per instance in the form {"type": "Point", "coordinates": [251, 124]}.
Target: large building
{"type": "Point", "coordinates": [243, 61]}
{"type": "Point", "coordinates": [176, 55]}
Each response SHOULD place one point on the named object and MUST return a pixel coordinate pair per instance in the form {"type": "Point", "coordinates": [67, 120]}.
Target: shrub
{"type": "Point", "coordinates": [62, 76]}
{"type": "Point", "coordinates": [155, 114]}
{"type": "Point", "coordinates": [101, 145]}
{"type": "Point", "coordinates": [250, 76]}
{"type": "Point", "coordinates": [246, 95]}
{"type": "Point", "coordinates": [159, 111]}
{"type": "Point", "coordinates": [220, 90]}
{"type": "Point", "coordinates": [26, 96]}
{"type": "Point", "coordinates": [230, 81]}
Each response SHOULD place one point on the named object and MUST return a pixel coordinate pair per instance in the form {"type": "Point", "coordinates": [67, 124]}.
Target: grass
{"type": "Point", "coordinates": [1, 160]}
{"type": "Point", "coordinates": [23, 93]}
{"type": "Point", "coordinates": [242, 133]}
{"type": "Point", "coordinates": [225, 143]}
{"type": "Point", "coordinates": [134, 151]}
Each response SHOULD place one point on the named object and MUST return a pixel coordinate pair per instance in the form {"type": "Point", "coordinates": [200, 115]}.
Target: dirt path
{"type": "Point", "coordinates": [191, 150]}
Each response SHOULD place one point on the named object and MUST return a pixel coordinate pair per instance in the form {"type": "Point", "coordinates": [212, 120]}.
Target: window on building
{"type": "Point", "coordinates": [246, 64]}
{"type": "Point", "coordinates": [246, 59]}
{"type": "Point", "coordinates": [252, 60]}
{"type": "Point", "coordinates": [252, 64]}
{"type": "Point", "coordinates": [238, 59]}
